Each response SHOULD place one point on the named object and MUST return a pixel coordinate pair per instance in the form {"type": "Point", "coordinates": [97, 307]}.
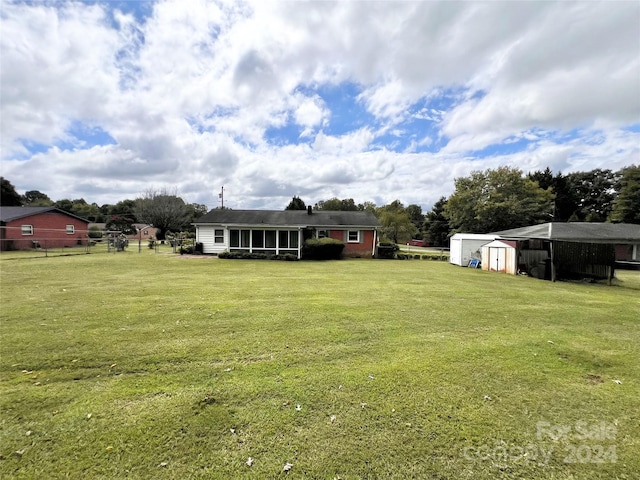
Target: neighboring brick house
{"type": "Point", "coordinates": [284, 231]}
{"type": "Point", "coordinates": [23, 228]}
{"type": "Point", "coordinates": [144, 232]}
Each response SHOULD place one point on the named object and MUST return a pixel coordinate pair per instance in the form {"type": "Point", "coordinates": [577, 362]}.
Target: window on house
{"type": "Point", "coordinates": [218, 235]}
{"type": "Point", "coordinates": [323, 233]}
{"type": "Point", "coordinates": [71, 229]}
{"type": "Point", "coordinates": [353, 236]}
{"type": "Point", "coordinates": [27, 229]}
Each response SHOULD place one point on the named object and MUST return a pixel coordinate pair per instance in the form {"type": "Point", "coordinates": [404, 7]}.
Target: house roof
{"type": "Point", "coordinates": [8, 214]}
{"type": "Point", "coordinates": [578, 232]}
{"type": "Point", "coordinates": [291, 218]}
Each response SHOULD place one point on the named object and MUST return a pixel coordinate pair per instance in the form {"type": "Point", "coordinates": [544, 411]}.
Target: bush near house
{"type": "Point", "coordinates": [256, 256]}
{"type": "Point", "coordinates": [322, 249]}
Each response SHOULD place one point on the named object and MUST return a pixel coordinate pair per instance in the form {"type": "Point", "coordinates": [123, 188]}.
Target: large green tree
{"type": "Point", "coordinates": [417, 218]}
{"type": "Point", "coordinates": [296, 203]}
{"type": "Point", "coordinates": [122, 224]}
{"type": "Point", "coordinates": [493, 200]}
{"type": "Point", "coordinates": [195, 211]}
{"type": "Point", "coordinates": [436, 225]}
{"type": "Point", "coordinates": [8, 195]}
{"type": "Point", "coordinates": [123, 207]}
{"type": "Point", "coordinates": [35, 198]}
{"type": "Point", "coordinates": [565, 202]}
{"type": "Point", "coordinates": [347, 204]}
{"type": "Point", "coordinates": [593, 192]}
{"type": "Point", "coordinates": [163, 209]}
{"type": "Point", "coordinates": [396, 223]}
{"type": "Point", "coordinates": [626, 207]}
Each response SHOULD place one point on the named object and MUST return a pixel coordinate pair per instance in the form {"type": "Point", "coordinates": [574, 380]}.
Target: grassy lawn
{"type": "Point", "coordinates": [164, 366]}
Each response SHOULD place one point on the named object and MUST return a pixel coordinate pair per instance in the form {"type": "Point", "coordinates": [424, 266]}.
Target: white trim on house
{"type": "Point", "coordinates": [248, 239]}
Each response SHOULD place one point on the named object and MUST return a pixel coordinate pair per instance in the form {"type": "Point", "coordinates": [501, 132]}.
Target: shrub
{"type": "Point", "coordinates": [94, 232]}
{"type": "Point", "coordinates": [256, 256]}
{"type": "Point", "coordinates": [322, 249]}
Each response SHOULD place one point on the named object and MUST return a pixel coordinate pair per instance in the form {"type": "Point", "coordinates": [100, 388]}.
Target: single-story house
{"type": "Point", "coordinates": [144, 232]}
{"type": "Point", "coordinates": [567, 250]}
{"type": "Point", "coordinates": [284, 231]}
{"type": "Point", "coordinates": [24, 228]}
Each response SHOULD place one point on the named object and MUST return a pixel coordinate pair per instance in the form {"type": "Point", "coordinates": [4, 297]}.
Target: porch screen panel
{"type": "Point", "coordinates": [258, 238]}
{"type": "Point", "coordinates": [293, 239]}
{"type": "Point", "coordinates": [234, 238]}
{"type": "Point", "coordinates": [284, 238]}
{"type": "Point", "coordinates": [245, 238]}
{"type": "Point", "coordinates": [270, 238]}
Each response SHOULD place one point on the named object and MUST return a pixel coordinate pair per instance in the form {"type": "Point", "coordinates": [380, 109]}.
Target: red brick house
{"type": "Point", "coordinates": [284, 231]}
{"type": "Point", "coordinates": [23, 228]}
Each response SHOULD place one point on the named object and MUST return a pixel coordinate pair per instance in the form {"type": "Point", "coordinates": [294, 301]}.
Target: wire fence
{"type": "Point", "coordinates": [28, 242]}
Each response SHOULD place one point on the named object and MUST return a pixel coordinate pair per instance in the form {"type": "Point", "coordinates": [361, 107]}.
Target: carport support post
{"type": "Point", "coordinates": [553, 266]}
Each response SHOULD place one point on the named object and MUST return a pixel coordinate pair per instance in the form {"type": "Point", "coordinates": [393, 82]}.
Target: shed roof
{"type": "Point", "coordinates": [578, 232]}
{"type": "Point", "coordinates": [8, 214]}
{"type": "Point", "coordinates": [293, 218]}
{"type": "Point", "coordinates": [501, 244]}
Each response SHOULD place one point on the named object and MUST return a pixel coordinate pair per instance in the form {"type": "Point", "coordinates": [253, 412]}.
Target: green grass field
{"type": "Point", "coordinates": [153, 365]}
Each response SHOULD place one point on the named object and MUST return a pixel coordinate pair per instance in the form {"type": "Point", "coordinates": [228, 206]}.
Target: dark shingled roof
{"type": "Point", "coordinates": [290, 218]}
{"type": "Point", "coordinates": [578, 232]}
{"type": "Point", "coordinates": [12, 213]}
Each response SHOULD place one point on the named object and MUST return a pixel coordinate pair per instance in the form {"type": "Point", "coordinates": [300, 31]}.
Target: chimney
{"type": "Point", "coordinates": [309, 210]}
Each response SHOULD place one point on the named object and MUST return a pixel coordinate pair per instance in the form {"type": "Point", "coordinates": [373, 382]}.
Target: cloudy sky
{"type": "Point", "coordinates": [374, 101]}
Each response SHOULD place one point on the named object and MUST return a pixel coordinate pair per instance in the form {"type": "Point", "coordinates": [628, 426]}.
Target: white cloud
{"type": "Point", "coordinates": [190, 91]}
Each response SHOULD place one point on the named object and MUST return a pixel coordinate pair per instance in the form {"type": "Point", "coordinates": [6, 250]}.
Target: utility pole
{"type": "Point", "coordinates": [221, 196]}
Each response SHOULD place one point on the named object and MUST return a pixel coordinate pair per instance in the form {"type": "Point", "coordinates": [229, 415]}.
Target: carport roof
{"type": "Point", "coordinates": [577, 232]}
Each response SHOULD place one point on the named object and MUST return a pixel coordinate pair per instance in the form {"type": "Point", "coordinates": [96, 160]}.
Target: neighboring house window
{"type": "Point", "coordinates": [323, 233]}
{"type": "Point", "coordinates": [353, 236]}
{"type": "Point", "coordinates": [145, 232]}
{"type": "Point", "coordinates": [218, 235]}
{"type": "Point", "coordinates": [71, 229]}
{"type": "Point", "coordinates": [27, 229]}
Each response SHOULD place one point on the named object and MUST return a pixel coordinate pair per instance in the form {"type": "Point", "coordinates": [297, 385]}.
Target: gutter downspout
{"type": "Point", "coordinates": [375, 242]}
{"type": "Point", "coordinates": [553, 266]}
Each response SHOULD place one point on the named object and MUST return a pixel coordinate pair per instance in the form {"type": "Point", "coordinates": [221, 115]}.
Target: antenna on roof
{"type": "Point", "coordinates": [221, 197]}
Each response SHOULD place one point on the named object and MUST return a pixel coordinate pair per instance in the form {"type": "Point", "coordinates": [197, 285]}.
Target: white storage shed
{"type": "Point", "coordinates": [465, 247]}
{"type": "Point", "coordinates": [500, 256]}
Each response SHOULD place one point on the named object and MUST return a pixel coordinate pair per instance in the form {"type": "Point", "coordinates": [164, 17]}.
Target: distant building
{"type": "Point", "coordinates": [24, 228]}
{"type": "Point", "coordinates": [284, 231]}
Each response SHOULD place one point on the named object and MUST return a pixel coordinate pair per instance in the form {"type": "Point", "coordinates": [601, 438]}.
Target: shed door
{"type": "Point", "coordinates": [497, 257]}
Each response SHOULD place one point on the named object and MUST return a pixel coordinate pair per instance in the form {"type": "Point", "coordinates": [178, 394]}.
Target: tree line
{"type": "Point", "coordinates": [500, 199]}
{"type": "Point", "coordinates": [482, 202]}
{"type": "Point", "coordinates": [162, 208]}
